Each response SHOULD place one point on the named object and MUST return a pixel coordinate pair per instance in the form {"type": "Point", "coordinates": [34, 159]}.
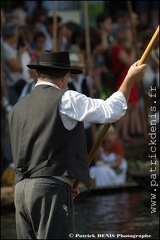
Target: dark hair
{"type": "Point", "coordinates": [101, 17]}
{"type": "Point", "coordinates": [51, 74]}
{"type": "Point", "coordinates": [50, 20]}
{"type": "Point", "coordinates": [75, 29]}
{"type": "Point", "coordinates": [38, 35]}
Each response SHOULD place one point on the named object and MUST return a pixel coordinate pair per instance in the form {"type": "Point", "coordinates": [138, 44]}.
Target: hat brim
{"type": "Point", "coordinates": [73, 70]}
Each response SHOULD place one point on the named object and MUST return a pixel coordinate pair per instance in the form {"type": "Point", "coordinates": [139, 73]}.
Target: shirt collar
{"type": "Point", "coordinates": [46, 83]}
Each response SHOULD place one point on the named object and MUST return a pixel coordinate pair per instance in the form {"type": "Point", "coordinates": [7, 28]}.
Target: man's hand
{"type": "Point", "coordinates": [136, 72]}
{"type": "Point", "coordinates": [75, 192]}
{"type": "Point", "coordinates": [134, 75]}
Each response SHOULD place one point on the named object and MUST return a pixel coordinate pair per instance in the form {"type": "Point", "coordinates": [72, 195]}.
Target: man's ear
{"type": "Point", "coordinates": [65, 78]}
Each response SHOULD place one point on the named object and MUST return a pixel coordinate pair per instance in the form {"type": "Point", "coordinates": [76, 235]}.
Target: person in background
{"type": "Point", "coordinates": [38, 20]}
{"type": "Point", "coordinates": [104, 24]}
{"type": "Point", "coordinates": [6, 153]}
{"type": "Point", "coordinates": [94, 61]}
{"type": "Point", "coordinates": [12, 61]}
{"type": "Point", "coordinates": [21, 15]}
{"type": "Point", "coordinates": [24, 38]}
{"type": "Point", "coordinates": [33, 78]}
{"type": "Point", "coordinates": [122, 57]}
{"type": "Point", "coordinates": [69, 36]}
{"type": "Point", "coordinates": [120, 20]}
{"type": "Point", "coordinates": [148, 12]}
{"type": "Point", "coordinates": [49, 147]}
{"type": "Point", "coordinates": [111, 167]}
{"type": "Point", "coordinates": [49, 42]}
{"type": "Point", "coordinates": [39, 40]}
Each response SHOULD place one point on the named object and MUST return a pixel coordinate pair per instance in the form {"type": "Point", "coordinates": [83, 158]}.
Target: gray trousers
{"type": "Point", "coordinates": [44, 209]}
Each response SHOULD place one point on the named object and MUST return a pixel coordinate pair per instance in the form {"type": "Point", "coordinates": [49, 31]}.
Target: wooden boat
{"type": "Point", "coordinates": [143, 178]}
{"type": "Point", "coordinates": [95, 191]}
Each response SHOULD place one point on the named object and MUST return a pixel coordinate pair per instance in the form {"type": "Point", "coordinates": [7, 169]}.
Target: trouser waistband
{"type": "Point", "coordinates": [65, 179]}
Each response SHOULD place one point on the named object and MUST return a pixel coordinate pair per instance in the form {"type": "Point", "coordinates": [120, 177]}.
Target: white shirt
{"type": "Point", "coordinates": [78, 87]}
{"type": "Point", "coordinates": [76, 107]}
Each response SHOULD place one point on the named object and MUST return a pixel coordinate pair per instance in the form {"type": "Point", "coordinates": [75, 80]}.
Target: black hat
{"type": "Point", "coordinates": [56, 60]}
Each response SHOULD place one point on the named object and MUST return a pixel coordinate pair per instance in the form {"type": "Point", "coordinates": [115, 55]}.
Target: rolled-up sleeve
{"type": "Point", "coordinates": [81, 108]}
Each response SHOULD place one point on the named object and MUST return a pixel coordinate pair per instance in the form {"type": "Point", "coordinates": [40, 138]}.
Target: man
{"type": "Point", "coordinates": [49, 146]}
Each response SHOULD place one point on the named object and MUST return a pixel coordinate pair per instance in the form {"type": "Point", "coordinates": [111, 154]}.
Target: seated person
{"type": "Point", "coordinates": [111, 168]}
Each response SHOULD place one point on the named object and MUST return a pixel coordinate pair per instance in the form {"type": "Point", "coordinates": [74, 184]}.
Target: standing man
{"type": "Point", "coordinates": [49, 145]}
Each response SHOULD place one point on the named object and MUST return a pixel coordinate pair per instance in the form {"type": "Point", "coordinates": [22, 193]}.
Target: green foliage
{"type": "Point", "coordinates": [133, 165]}
{"type": "Point", "coordinates": [93, 11]}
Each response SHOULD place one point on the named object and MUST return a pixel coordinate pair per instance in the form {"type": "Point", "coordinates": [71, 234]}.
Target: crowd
{"type": "Point", "coordinates": [27, 31]}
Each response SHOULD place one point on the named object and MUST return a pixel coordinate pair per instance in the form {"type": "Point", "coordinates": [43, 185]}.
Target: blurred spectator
{"type": "Point", "coordinates": [104, 24]}
{"type": "Point", "coordinates": [11, 19]}
{"type": "Point", "coordinates": [33, 78]}
{"type": "Point", "coordinates": [21, 16]}
{"type": "Point", "coordinates": [38, 20]}
{"type": "Point", "coordinates": [120, 20]}
{"type": "Point", "coordinates": [69, 36]}
{"type": "Point", "coordinates": [148, 12]}
{"type": "Point", "coordinates": [49, 43]}
{"type": "Point", "coordinates": [94, 62]}
{"type": "Point", "coordinates": [143, 38]}
{"type": "Point", "coordinates": [111, 167]}
{"type": "Point", "coordinates": [6, 153]}
{"type": "Point", "coordinates": [24, 41]}
{"type": "Point", "coordinates": [122, 56]}
{"type": "Point", "coordinates": [134, 21]}
{"type": "Point", "coordinates": [12, 61]}
{"type": "Point", "coordinates": [39, 39]}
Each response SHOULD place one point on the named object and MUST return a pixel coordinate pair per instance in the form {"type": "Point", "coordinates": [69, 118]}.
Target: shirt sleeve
{"type": "Point", "coordinates": [78, 107]}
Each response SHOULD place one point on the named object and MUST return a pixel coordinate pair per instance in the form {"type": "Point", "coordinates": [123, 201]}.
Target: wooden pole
{"type": "Point", "coordinates": [87, 40]}
{"type": "Point", "coordinates": [88, 51]}
{"type": "Point", "coordinates": [150, 46]}
{"type": "Point", "coordinates": [94, 149]}
{"type": "Point", "coordinates": [104, 130]}
{"type": "Point", "coordinates": [130, 11]}
{"type": "Point", "coordinates": [87, 35]}
{"type": "Point", "coordinates": [55, 26]}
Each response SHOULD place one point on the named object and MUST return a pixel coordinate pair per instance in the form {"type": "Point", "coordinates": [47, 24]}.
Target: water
{"type": "Point", "coordinates": [126, 213]}
{"type": "Point", "coordinates": [121, 213]}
